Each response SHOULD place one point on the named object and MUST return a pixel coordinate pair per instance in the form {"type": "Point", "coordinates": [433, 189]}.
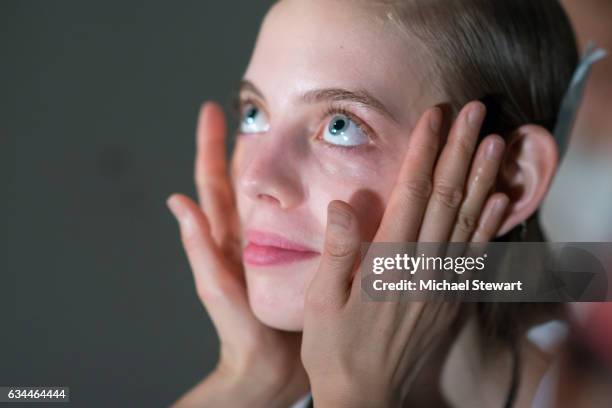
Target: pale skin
{"type": "Point", "coordinates": [284, 333]}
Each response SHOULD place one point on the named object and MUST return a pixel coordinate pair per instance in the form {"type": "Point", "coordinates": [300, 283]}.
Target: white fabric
{"type": "Point", "coordinates": [548, 337]}
{"type": "Point", "coordinates": [578, 207]}
{"type": "Point", "coordinates": [302, 403]}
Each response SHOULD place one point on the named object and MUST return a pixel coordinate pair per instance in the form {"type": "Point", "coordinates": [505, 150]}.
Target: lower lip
{"type": "Point", "coordinates": [263, 255]}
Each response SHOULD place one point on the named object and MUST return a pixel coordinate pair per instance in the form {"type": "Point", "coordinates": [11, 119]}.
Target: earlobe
{"type": "Point", "coordinates": [526, 173]}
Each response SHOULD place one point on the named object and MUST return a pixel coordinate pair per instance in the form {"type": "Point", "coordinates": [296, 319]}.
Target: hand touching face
{"type": "Point", "coordinates": [327, 106]}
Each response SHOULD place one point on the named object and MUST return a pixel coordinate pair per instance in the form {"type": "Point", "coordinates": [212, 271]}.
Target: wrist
{"type": "Point", "coordinates": [269, 376]}
{"type": "Point", "coordinates": [341, 394]}
{"type": "Point", "coordinates": [256, 389]}
{"type": "Point", "coordinates": [223, 388]}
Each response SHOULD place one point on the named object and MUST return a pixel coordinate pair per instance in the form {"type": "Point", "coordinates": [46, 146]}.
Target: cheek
{"type": "Point", "coordinates": [277, 297]}
{"type": "Point", "coordinates": [364, 186]}
{"type": "Point", "coordinates": [239, 162]}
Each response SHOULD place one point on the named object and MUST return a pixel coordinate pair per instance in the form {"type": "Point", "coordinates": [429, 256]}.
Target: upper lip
{"type": "Point", "coordinates": [265, 238]}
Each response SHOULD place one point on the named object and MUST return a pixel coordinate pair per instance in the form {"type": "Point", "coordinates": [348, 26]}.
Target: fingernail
{"type": "Point", "coordinates": [495, 150]}
{"type": "Point", "coordinates": [435, 120]}
{"type": "Point", "coordinates": [338, 218]}
{"type": "Point", "coordinates": [475, 116]}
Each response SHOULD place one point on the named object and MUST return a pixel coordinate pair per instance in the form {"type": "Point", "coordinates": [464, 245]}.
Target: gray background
{"type": "Point", "coordinates": [98, 110]}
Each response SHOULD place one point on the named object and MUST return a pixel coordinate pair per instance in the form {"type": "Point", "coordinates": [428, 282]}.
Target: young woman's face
{"type": "Point", "coordinates": [328, 103]}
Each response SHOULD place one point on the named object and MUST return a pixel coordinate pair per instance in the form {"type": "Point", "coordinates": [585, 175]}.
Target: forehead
{"type": "Point", "coordinates": [307, 44]}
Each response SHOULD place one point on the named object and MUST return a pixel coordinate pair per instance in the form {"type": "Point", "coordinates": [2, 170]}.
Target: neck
{"type": "Point", "coordinates": [478, 375]}
{"type": "Point", "coordinates": [591, 20]}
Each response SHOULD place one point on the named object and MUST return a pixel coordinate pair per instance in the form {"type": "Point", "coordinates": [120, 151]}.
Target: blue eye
{"type": "Point", "coordinates": [253, 120]}
{"type": "Point", "coordinates": [343, 131]}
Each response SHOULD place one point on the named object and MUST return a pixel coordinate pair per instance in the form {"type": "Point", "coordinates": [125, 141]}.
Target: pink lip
{"type": "Point", "coordinates": [267, 249]}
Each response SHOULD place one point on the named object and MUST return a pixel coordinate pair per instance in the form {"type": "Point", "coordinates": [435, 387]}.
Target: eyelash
{"type": "Point", "coordinates": [241, 102]}
{"type": "Point", "coordinates": [333, 110]}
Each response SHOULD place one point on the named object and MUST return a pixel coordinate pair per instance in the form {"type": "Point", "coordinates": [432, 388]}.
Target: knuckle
{"type": "Point", "coordinates": [448, 195]}
{"type": "Point", "coordinates": [214, 291]}
{"type": "Point", "coordinates": [466, 222]}
{"type": "Point", "coordinates": [200, 176]}
{"type": "Point", "coordinates": [464, 145]}
{"type": "Point", "coordinates": [306, 356]}
{"type": "Point", "coordinates": [339, 250]}
{"type": "Point", "coordinates": [417, 189]}
{"type": "Point", "coordinates": [206, 182]}
{"type": "Point", "coordinates": [484, 178]}
{"type": "Point", "coordinates": [206, 293]}
{"type": "Point", "coordinates": [486, 232]}
{"type": "Point", "coordinates": [488, 179]}
{"type": "Point", "coordinates": [319, 302]}
{"type": "Point", "coordinates": [427, 148]}
{"type": "Point", "coordinates": [191, 241]}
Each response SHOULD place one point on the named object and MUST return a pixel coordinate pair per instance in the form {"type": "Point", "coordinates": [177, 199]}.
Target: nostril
{"type": "Point", "coordinates": [268, 198]}
{"type": "Point", "coordinates": [266, 183]}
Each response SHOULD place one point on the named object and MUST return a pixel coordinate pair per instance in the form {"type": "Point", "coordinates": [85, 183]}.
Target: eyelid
{"type": "Point", "coordinates": [241, 101]}
{"type": "Point", "coordinates": [334, 108]}
{"type": "Point", "coordinates": [247, 99]}
{"type": "Point", "coordinates": [339, 109]}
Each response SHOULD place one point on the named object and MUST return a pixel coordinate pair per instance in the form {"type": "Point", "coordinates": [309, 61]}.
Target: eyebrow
{"type": "Point", "coordinates": [361, 97]}
{"type": "Point", "coordinates": [246, 85]}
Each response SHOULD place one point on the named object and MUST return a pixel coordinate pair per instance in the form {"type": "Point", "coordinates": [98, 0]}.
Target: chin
{"type": "Point", "coordinates": [276, 295]}
{"type": "Point", "coordinates": [282, 317]}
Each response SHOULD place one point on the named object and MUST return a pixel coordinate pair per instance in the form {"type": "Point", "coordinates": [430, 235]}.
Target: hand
{"type": "Point", "coordinates": [365, 353]}
{"type": "Point", "coordinates": [258, 366]}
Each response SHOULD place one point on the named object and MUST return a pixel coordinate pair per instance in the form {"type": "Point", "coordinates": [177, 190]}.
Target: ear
{"type": "Point", "coordinates": [526, 173]}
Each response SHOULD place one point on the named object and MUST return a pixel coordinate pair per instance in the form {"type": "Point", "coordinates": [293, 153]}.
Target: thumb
{"type": "Point", "coordinates": [331, 284]}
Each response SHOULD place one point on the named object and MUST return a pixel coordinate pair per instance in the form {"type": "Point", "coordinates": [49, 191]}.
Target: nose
{"type": "Point", "coordinates": [272, 173]}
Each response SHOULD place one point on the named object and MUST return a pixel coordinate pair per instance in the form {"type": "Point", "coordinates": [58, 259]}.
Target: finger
{"type": "Point", "coordinates": [480, 183]}
{"type": "Point", "coordinates": [213, 185]}
{"type": "Point", "coordinates": [491, 218]}
{"type": "Point", "coordinates": [404, 212]}
{"type": "Point", "coordinates": [332, 283]}
{"type": "Point", "coordinates": [220, 291]}
{"type": "Point", "coordinates": [450, 174]}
